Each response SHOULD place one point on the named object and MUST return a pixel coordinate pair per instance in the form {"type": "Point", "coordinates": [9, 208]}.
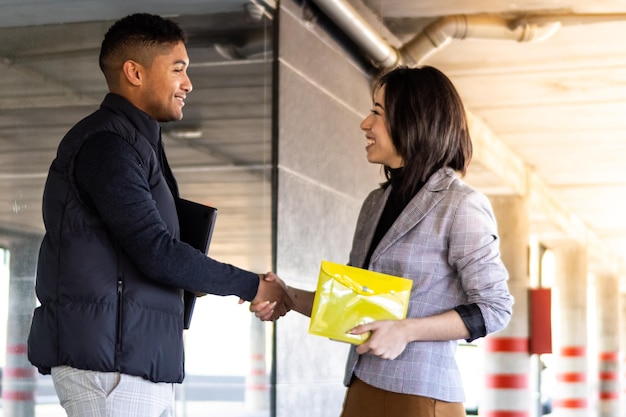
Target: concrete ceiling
{"type": "Point", "coordinates": [548, 116]}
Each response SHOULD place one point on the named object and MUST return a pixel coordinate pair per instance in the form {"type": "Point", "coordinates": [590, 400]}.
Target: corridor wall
{"type": "Point", "coordinates": [323, 176]}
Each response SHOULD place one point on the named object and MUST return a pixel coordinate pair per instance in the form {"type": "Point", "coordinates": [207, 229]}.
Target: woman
{"type": "Point", "coordinates": [425, 224]}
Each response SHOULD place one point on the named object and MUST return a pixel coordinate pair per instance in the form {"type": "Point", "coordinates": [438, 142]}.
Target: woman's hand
{"type": "Point", "coordinates": [264, 310]}
{"type": "Point", "coordinates": [388, 338]}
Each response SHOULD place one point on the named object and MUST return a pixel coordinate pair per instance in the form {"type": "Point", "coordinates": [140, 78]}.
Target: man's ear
{"type": "Point", "coordinates": [133, 71]}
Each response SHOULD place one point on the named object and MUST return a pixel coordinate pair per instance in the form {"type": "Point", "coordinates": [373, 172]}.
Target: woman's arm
{"type": "Point", "coordinates": [474, 251]}
{"type": "Point", "coordinates": [302, 300]}
{"type": "Point", "coordinates": [389, 337]}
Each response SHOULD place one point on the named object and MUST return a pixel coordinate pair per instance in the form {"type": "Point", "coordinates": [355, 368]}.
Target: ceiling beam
{"type": "Point", "coordinates": [551, 222]}
{"type": "Point", "coordinates": [61, 94]}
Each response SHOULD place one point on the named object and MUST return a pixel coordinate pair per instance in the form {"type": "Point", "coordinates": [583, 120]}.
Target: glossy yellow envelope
{"type": "Point", "coordinates": [347, 296]}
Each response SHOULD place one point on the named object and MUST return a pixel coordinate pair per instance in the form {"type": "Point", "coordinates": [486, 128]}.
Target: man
{"type": "Point", "coordinates": [111, 270]}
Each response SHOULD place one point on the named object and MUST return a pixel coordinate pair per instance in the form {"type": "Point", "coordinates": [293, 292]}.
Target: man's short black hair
{"type": "Point", "coordinates": [138, 37]}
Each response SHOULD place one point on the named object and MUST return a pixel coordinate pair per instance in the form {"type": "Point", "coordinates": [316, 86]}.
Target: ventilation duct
{"type": "Point", "coordinates": [441, 32]}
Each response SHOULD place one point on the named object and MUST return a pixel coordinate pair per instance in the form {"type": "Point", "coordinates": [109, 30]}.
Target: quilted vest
{"type": "Point", "coordinates": [98, 312]}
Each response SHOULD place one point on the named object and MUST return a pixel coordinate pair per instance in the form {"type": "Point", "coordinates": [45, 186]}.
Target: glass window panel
{"type": "Point", "coordinates": [221, 155]}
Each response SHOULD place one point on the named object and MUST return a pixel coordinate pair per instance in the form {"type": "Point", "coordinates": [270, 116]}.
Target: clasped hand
{"type": "Point", "coordinates": [271, 301]}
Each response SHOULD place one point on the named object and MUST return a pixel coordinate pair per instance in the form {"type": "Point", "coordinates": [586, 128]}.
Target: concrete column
{"type": "Point", "coordinates": [622, 335]}
{"type": "Point", "coordinates": [570, 331]}
{"type": "Point", "coordinates": [507, 362]}
{"type": "Point", "coordinates": [18, 377]}
{"type": "Point", "coordinates": [607, 302]}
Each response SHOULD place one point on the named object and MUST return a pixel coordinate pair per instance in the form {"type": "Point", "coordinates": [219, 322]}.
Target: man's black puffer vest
{"type": "Point", "coordinates": [98, 312]}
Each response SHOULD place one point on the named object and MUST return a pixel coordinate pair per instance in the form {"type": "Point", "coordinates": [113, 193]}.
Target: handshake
{"type": "Point", "coordinates": [272, 299]}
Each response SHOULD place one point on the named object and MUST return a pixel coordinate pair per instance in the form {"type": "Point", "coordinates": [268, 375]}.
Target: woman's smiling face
{"type": "Point", "coordinates": [380, 148]}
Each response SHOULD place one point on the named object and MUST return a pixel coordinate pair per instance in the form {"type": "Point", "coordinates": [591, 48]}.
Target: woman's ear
{"type": "Point", "coordinates": [133, 72]}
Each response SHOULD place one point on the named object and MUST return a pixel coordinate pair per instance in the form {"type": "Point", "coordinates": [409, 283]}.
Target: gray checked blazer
{"type": "Point", "coordinates": [446, 241]}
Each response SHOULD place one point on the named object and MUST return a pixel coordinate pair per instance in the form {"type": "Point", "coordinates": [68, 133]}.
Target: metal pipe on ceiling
{"type": "Point", "coordinates": [353, 24]}
{"type": "Point", "coordinates": [441, 32]}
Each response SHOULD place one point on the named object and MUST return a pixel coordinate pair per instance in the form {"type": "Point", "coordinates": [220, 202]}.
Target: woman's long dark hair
{"type": "Point", "coordinates": [427, 123]}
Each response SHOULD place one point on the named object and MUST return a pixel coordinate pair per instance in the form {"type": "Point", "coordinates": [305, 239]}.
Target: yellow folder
{"type": "Point", "coordinates": [347, 296]}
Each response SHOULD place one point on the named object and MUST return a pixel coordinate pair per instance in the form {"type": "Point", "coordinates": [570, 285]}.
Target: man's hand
{"type": "Point", "coordinates": [271, 300]}
{"type": "Point", "coordinates": [265, 310]}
